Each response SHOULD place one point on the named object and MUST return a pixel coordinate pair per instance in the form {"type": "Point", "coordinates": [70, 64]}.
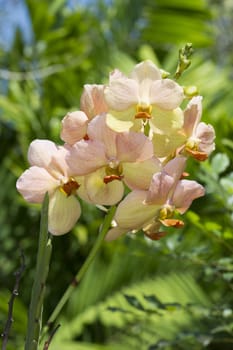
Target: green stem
{"type": "Point", "coordinates": [87, 263]}
{"type": "Point", "coordinates": [38, 289]}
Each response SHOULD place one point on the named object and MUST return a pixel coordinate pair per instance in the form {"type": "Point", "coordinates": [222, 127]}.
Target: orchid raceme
{"type": "Point", "coordinates": [50, 173]}
{"type": "Point", "coordinates": [131, 136]}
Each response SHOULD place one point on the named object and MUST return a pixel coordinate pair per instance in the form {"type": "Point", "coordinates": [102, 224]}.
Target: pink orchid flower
{"type": "Point", "coordinates": [108, 158]}
{"type": "Point", "coordinates": [49, 173]}
{"type": "Point", "coordinates": [147, 210]}
{"type": "Point", "coordinates": [145, 95]}
{"type": "Point", "coordinates": [92, 103]}
{"type": "Point", "coordinates": [199, 136]}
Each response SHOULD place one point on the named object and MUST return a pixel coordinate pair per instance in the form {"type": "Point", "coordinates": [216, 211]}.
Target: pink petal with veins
{"type": "Point", "coordinates": [116, 74]}
{"type": "Point", "coordinates": [86, 156]}
{"type": "Point", "coordinates": [133, 147]}
{"type": "Point", "coordinates": [186, 191]}
{"type": "Point", "coordinates": [192, 115]}
{"type": "Point", "coordinates": [175, 167]}
{"type": "Point", "coordinates": [206, 134]}
{"type": "Point", "coordinates": [145, 70]}
{"type": "Point", "coordinates": [74, 127]}
{"type": "Point", "coordinates": [34, 183]}
{"type": "Point", "coordinates": [41, 152]}
{"type": "Point", "coordinates": [160, 187]}
{"type": "Point", "coordinates": [121, 93]}
{"type": "Point", "coordinates": [98, 130]}
{"type": "Point", "coordinates": [92, 101]}
{"type": "Point", "coordinates": [166, 94]}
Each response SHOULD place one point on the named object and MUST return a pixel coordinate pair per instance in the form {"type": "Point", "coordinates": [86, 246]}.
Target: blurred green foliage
{"type": "Point", "coordinates": [176, 293]}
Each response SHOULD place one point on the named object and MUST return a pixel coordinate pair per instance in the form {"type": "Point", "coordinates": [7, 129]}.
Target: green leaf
{"type": "Point", "coordinates": [153, 300]}
{"type": "Point", "coordinates": [133, 301]}
{"type": "Point", "coordinates": [220, 162]}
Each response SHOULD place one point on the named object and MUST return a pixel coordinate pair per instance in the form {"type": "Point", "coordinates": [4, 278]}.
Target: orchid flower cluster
{"type": "Point", "coordinates": [126, 146]}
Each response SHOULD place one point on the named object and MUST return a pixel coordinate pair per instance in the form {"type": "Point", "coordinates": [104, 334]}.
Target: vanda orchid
{"type": "Point", "coordinates": [126, 146]}
{"type": "Point", "coordinates": [49, 173]}
{"type": "Point", "coordinates": [147, 210]}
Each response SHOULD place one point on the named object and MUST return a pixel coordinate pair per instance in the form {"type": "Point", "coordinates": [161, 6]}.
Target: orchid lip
{"type": "Point", "coordinates": [143, 111]}
{"type": "Point", "coordinates": [86, 137]}
{"type": "Point", "coordinates": [142, 115]}
{"type": "Point", "coordinates": [70, 187]}
{"type": "Point", "coordinates": [201, 156]}
{"type": "Point", "coordinates": [110, 178]}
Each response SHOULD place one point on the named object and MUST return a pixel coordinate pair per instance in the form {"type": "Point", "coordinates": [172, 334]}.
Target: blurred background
{"type": "Point", "coordinates": [176, 293]}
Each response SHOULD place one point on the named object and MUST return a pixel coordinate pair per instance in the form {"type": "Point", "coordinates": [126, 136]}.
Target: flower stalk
{"type": "Point", "coordinates": [38, 289]}
{"type": "Point", "coordinates": [103, 231]}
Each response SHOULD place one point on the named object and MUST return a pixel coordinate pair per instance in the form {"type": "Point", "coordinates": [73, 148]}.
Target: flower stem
{"type": "Point", "coordinates": [38, 289]}
{"type": "Point", "coordinates": [84, 268]}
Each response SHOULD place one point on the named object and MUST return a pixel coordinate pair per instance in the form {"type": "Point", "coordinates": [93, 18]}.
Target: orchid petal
{"type": "Point", "coordinates": [160, 187]}
{"type": "Point", "coordinates": [63, 213]}
{"type": "Point", "coordinates": [86, 156]}
{"type": "Point", "coordinates": [116, 74]}
{"type": "Point", "coordinates": [98, 130]}
{"type": "Point", "coordinates": [114, 233]}
{"type": "Point", "coordinates": [166, 122]}
{"type": "Point", "coordinates": [186, 191]}
{"type": "Point", "coordinates": [133, 147]}
{"type": "Point", "coordinates": [139, 175]}
{"type": "Point", "coordinates": [92, 101]}
{"type": "Point", "coordinates": [192, 115]}
{"type": "Point", "coordinates": [132, 213]}
{"type": "Point", "coordinates": [166, 94]}
{"type": "Point", "coordinates": [34, 183]}
{"type": "Point", "coordinates": [46, 154]}
{"type": "Point", "coordinates": [175, 167]}
{"type": "Point", "coordinates": [121, 94]}
{"type": "Point", "coordinates": [41, 152]}
{"type": "Point", "coordinates": [74, 127]}
{"type": "Point", "coordinates": [206, 134]}
{"type": "Point", "coordinates": [163, 183]}
{"type": "Point", "coordinates": [121, 121]}
{"type": "Point", "coordinates": [145, 70]}
{"type": "Point", "coordinates": [101, 193]}
{"type": "Point", "coordinates": [166, 145]}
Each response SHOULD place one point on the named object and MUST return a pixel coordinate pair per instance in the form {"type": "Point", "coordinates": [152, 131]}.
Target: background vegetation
{"type": "Point", "coordinates": [176, 293]}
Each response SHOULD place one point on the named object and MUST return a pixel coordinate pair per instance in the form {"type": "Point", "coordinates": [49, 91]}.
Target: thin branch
{"type": "Point", "coordinates": [18, 274]}
{"type": "Point", "coordinates": [48, 342]}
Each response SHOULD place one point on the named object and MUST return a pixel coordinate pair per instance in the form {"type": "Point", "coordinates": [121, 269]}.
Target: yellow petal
{"type": "Point", "coordinates": [63, 213]}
